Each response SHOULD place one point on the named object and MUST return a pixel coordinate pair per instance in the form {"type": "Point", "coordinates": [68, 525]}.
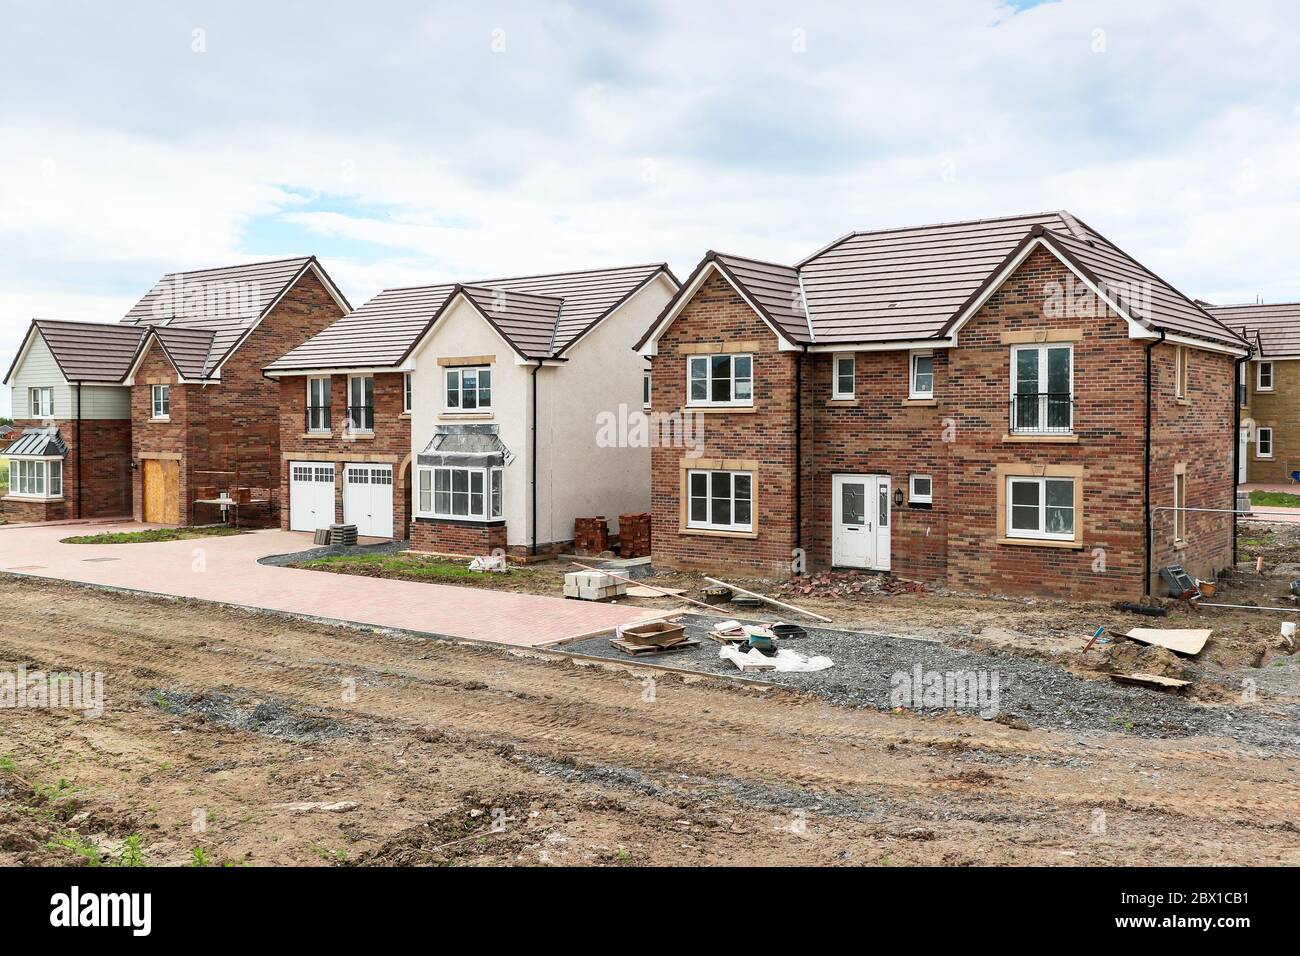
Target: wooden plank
{"type": "Point", "coordinates": [1186, 641]}
{"type": "Point", "coordinates": [1151, 680]}
{"type": "Point", "coordinates": [152, 511]}
{"type": "Point", "coordinates": [171, 492]}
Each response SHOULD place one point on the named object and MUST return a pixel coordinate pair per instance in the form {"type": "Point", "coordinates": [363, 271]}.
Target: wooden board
{"type": "Point", "coordinates": [162, 491]}
{"type": "Point", "coordinates": [1151, 680]}
{"type": "Point", "coordinates": [636, 650]}
{"type": "Point", "coordinates": [1188, 642]}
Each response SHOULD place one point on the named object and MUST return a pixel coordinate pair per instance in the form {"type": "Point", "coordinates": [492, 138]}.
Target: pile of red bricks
{"type": "Point", "coordinates": [590, 535]}
{"type": "Point", "coordinates": [634, 535]}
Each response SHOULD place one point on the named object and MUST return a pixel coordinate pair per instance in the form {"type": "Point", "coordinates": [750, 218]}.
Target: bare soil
{"type": "Point", "coordinates": [263, 741]}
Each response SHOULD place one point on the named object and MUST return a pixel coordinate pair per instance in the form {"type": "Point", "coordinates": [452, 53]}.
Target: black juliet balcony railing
{"type": "Point", "coordinates": [361, 418]}
{"type": "Point", "coordinates": [1042, 413]}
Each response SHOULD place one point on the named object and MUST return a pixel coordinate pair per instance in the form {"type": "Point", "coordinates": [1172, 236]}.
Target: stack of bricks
{"type": "Point", "coordinates": [590, 535]}
{"type": "Point", "coordinates": [634, 535]}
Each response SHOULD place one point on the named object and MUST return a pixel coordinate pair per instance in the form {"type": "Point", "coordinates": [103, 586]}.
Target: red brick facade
{"type": "Point", "coordinates": [961, 440]}
{"type": "Point", "coordinates": [462, 538]}
{"type": "Point", "coordinates": [102, 470]}
{"type": "Point", "coordinates": [390, 443]}
{"type": "Point", "coordinates": [221, 428]}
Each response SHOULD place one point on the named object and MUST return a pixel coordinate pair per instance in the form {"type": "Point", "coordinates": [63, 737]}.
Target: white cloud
{"type": "Point", "coordinates": [400, 147]}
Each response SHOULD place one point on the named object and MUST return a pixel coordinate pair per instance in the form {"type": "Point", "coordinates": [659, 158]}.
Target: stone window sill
{"type": "Point", "coordinates": [163, 420]}
{"type": "Point", "coordinates": [1042, 439]}
{"type": "Point", "coordinates": [324, 436]}
{"type": "Point", "coordinates": [920, 402]}
{"type": "Point", "coordinates": [710, 533]}
{"type": "Point", "coordinates": [466, 416]}
{"type": "Point", "coordinates": [1041, 543]}
{"type": "Point", "coordinates": [720, 409]}
{"type": "Point", "coordinates": [35, 499]}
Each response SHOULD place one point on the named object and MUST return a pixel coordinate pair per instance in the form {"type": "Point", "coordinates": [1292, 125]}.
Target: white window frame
{"type": "Point", "coordinates": [1041, 534]}
{"type": "Point", "coordinates": [323, 426]}
{"type": "Point", "coordinates": [1181, 367]}
{"type": "Point", "coordinates": [348, 408]}
{"type": "Point", "coordinates": [406, 393]}
{"type": "Point", "coordinates": [1259, 434]}
{"type": "Point", "coordinates": [459, 372]}
{"type": "Point", "coordinates": [912, 391]}
{"type": "Point", "coordinates": [646, 389]}
{"type": "Point", "coordinates": [33, 471]}
{"type": "Point", "coordinates": [837, 393]}
{"type": "Point", "coordinates": [1180, 504]}
{"type": "Point", "coordinates": [708, 379]}
{"type": "Point", "coordinates": [492, 491]}
{"type": "Point", "coordinates": [1259, 376]}
{"type": "Point", "coordinates": [708, 524]}
{"type": "Point", "coordinates": [1043, 348]}
{"type": "Point", "coordinates": [40, 401]}
{"type": "Point", "coordinates": [160, 403]}
{"type": "Point", "coordinates": [919, 498]}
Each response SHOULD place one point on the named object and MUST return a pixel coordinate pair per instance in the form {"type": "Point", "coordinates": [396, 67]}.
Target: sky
{"type": "Point", "coordinates": [412, 142]}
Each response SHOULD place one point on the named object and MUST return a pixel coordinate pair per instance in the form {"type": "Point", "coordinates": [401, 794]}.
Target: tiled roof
{"type": "Point", "coordinates": [1276, 327]}
{"type": "Point", "coordinates": [89, 351]}
{"type": "Point", "coordinates": [912, 284]}
{"type": "Point", "coordinates": [540, 316]}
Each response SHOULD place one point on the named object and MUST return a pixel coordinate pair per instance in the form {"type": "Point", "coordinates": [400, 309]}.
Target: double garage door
{"type": "Point", "coordinates": [367, 497]}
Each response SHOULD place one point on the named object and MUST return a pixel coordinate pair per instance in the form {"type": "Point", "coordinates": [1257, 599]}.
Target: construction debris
{"type": "Point", "coordinates": [767, 600]}
{"type": "Point", "coordinates": [593, 586]}
{"type": "Point", "coordinates": [1151, 680]}
{"type": "Point", "coordinates": [783, 660]}
{"type": "Point", "coordinates": [652, 637]}
{"type": "Point", "coordinates": [849, 584]}
{"type": "Point", "coordinates": [1188, 642]}
{"type": "Point", "coordinates": [642, 591]}
{"type": "Point", "coordinates": [489, 562]}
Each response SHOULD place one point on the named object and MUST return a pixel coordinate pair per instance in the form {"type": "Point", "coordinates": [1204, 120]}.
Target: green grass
{"type": "Point", "coordinates": [411, 567]}
{"type": "Point", "coordinates": [1274, 499]}
{"type": "Point", "coordinates": [153, 534]}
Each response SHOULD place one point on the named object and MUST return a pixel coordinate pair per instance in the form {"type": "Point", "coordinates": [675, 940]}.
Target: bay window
{"type": "Point", "coordinates": [469, 389]}
{"type": "Point", "coordinates": [36, 477]}
{"type": "Point", "coordinates": [720, 500]}
{"type": "Point", "coordinates": [720, 380]}
{"type": "Point", "coordinates": [471, 494]}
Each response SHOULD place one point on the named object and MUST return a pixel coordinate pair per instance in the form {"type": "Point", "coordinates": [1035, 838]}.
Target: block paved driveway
{"type": "Point", "coordinates": [226, 569]}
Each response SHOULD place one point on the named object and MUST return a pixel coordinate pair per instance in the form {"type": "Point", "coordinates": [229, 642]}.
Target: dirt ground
{"type": "Point", "coordinates": [255, 740]}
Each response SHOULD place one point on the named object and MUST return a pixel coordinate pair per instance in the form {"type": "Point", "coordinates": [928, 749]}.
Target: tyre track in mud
{"type": "Point", "coordinates": [590, 716]}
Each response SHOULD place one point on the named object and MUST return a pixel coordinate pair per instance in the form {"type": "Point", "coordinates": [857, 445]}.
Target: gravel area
{"type": "Point", "coordinates": [284, 560]}
{"type": "Point", "coordinates": [1036, 693]}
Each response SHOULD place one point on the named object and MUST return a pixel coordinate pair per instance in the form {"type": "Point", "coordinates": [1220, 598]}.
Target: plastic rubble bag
{"type": "Point", "coordinates": [784, 660]}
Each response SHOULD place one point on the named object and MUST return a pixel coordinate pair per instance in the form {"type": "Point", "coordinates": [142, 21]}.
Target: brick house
{"type": "Point", "coordinates": [173, 407]}
{"type": "Point", "coordinates": [464, 416]}
{"type": "Point", "coordinates": [1004, 405]}
{"type": "Point", "coordinates": [1268, 389]}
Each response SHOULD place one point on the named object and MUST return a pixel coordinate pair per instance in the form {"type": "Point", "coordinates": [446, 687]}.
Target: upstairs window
{"type": "Point", "coordinates": [318, 404]}
{"type": "Point", "coordinates": [469, 389]}
{"type": "Point", "coordinates": [720, 380]}
{"type": "Point", "coordinates": [1042, 389]}
{"type": "Point", "coordinates": [844, 374]}
{"type": "Point", "coordinates": [161, 399]}
{"type": "Point", "coordinates": [921, 376]}
{"type": "Point", "coordinates": [1264, 377]}
{"type": "Point", "coordinates": [361, 403]}
{"type": "Point", "coordinates": [645, 389]}
{"type": "Point", "coordinates": [42, 402]}
{"type": "Point", "coordinates": [1181, 356]}
{"type": "Point", "coordinates": [406, 393]}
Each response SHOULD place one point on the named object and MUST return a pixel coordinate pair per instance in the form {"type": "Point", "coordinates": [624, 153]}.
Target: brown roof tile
{"type": "Point", "coordinates": [1275, 327]}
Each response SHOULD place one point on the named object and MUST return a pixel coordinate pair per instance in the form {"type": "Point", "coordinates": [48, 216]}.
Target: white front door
{"type": "Point", "coordinates": [368, 499]}
{"type": "Point", "coordinates": [861, 516]}
{"type": "Point", "coordinates": [311, 495]}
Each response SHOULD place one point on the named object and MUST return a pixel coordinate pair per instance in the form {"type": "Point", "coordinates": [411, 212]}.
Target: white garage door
{"type": "Point", "coordinates": [311, 495]}
{"type": "Point", "coordinates": [368, 499]}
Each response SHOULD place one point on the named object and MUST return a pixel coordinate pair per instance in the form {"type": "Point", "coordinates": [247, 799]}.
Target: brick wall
{"type": "Point", "coordinates": [234, 423]}
{"type": "Point", "coordinates": [391, 442]}
{"type": "Point", "coordinates": [105, 464]}
{"type": "Point", "coordinates": [1280, 411]}
{"type": "Point", "coordinates": [961, 440]}
{"type": "Point", "coordinates": [461, 538]}
{"type": "Point", "coordinates": [718, 315]}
